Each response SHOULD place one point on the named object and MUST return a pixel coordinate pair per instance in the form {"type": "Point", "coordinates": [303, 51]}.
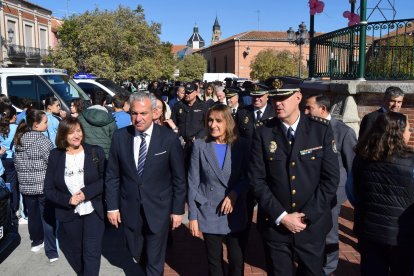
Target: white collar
{"type": "Point", "coordinates": [294, 126]}
{"type": "Point", "coordinates": [148, 132]}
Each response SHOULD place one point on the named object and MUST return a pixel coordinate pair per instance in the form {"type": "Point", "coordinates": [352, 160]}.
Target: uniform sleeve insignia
{"type": "Point", "coordinates": [246, 120]}
{"type": "Point", "coordinates": [272, 147]}
{"type": "Point", "coordinates": [335, 150]}
{"type": "Point", "coordinates": [180, 111]}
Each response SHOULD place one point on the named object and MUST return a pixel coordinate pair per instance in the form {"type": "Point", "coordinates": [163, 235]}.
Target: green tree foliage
{"type": "Point", "coordinates": [270, 63]}
{"type": "Point", "coordinates": [192, 67]}
{"type": "Point", "coordinates": [114, 44]}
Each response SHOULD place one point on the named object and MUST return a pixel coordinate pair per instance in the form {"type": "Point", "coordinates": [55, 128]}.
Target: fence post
{"type": "Point", "coordinates": [362, 40]}
{"type": "Point", "coordinates": [311, 47]}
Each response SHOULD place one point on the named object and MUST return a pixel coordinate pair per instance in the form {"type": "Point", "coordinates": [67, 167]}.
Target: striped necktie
{"type": "Point", "coordinates": [142, 154]}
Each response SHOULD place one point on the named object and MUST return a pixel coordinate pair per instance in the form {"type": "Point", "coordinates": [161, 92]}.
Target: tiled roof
{"type": "Point", "coordinates": [177, 48]}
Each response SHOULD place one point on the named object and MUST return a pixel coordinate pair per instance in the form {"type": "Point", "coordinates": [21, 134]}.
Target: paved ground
{"type": "Point", "coordinates": [186, 257]}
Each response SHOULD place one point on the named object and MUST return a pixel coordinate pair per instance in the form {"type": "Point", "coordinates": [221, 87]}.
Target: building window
{"type": "Point", "coordinates": [28, 35]}
{"type": "Point", "coordinates": [225, 64]}
{"type": "Point", "coordinates": [43, 38]}
{"type": "Point", "coordinates": [11, 25]}
{"type": "Point", "coordinates": [215, 65]}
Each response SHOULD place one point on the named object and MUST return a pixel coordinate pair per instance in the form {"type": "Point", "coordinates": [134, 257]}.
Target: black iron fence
{"type": "Point", "coordinates": [387, 54]}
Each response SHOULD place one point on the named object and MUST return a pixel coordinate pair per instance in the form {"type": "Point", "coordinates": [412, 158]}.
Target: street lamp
{"type": "Point", "coordinates": [299, 37]}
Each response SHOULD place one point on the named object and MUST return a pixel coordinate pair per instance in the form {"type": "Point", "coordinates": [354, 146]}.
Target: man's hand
{"type": "Point", "coordinates": [228, 203]}
{"type": "Point", "coordinates": [194, 230]}
{"type": "Point", "coordinates": [80, 195]}
{"type": "Point", "coordinates": [114, 218]}
{"type": "Point", "coordinates": [293, 222]}
{"type": "Point", "coordinates": [176, 221]}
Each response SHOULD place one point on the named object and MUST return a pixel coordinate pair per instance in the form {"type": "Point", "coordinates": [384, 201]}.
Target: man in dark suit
{"type": "Point", "coordinates": [232, 98]}
{"type": "Point", "coordinates": [145, 183]}
{"type": "Point", "coordinates": [345, 139]}
{"type": "Point", "coordinates": [393, 100]}
{"type": "Point", "coordinates": [294, 173]}
{"type": "Point", "coordinates": [249, 116]}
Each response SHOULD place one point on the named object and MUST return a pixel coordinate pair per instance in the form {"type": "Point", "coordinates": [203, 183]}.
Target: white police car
{"type": "Point", "coordinates": [90, 83]}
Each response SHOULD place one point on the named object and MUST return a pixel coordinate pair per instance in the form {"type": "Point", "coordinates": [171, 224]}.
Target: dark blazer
{"type": "Point", "coordinates": [346, 140]}
{"type": "Point", "coordinates": [302, 179]}
{"type": "Point", "coordinates": [245, 119]}
{"type": "Point", "coordinates": [56, 190]}
{"type": "Point", "coordinates": [209, 184]}
{"type": "Point", "coordinates": [160, 191]}
{"type": "Point", "coordinates": [368, 121]}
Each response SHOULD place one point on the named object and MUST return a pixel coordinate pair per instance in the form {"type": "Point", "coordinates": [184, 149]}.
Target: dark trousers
{"type": "Point", "coordinates": [385, 260]}
{"type": "Point", "coordinates": [280, 258]}
{"type": "Point", "coordinates": [42, 223]}
{"type": "Point", "coordinates": [235, 249]}
{"type": "Point", "coordinates": [10, 176]}
{"type": "Point", "coordinates": [332, 239]}
{"type": "Point", "coordinates": [154, 246]}
{"type": "Point", "coordinates": [81, 242]}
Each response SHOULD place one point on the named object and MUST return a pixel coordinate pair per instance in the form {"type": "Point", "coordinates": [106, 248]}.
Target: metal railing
{"type": "Point", "coordinates": [32, 53]}
{"type": "Point", "coordinates": [387, 54]}
{"type": "Point", "coordinates": [16, 51]}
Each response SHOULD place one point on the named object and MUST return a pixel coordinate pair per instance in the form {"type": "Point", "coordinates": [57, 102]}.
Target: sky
{"type": "Point", "coordinates": [177, 18]}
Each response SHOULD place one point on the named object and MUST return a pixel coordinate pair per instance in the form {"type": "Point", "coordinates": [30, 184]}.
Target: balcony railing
{"type": "Point", "coordinates": [32, 53]}
{"type": "Point", "coordinates": [388, 52]}
{"type": "Point", "coordinates": [16, 51]}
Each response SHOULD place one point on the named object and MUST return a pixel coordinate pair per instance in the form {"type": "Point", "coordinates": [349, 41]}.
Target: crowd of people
{"type": "Point", "coordinates": [222, 150]}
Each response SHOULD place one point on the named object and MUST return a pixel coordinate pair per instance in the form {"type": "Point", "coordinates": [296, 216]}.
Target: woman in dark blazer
{"type": "Point", "coordinates": [74, 183]}
{"type": "Point", "coordinates": [217, 188]}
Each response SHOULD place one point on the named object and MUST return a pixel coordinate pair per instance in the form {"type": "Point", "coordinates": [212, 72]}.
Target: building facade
{"type": "Point", "coordinates": [235, 54]}
{"type": "Point", "coordinates": [28, 32]}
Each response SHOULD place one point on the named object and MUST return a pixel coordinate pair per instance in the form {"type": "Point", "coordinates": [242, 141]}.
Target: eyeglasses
{"type": "Point", "coordinates": [189, 92]}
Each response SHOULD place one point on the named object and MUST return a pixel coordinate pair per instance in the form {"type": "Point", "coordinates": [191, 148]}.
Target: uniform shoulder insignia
{"type": "Point", "coordinates": [320, 120]}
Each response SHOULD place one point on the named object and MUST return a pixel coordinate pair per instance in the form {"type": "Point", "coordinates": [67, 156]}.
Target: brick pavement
{"type": "Point", "coordinates": [187, 256]}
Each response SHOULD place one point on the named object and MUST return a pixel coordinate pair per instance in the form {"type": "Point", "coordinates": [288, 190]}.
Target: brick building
{"type": "Point", "coordinates": [28, 31]}
{"type": "Point", "coordinates": [235, 53]}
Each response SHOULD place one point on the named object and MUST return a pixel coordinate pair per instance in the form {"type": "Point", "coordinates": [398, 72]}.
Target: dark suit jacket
{"type": "Point", "coordinates": [161, 190]}
{"type": "Point", "coordinates": [245, 119]}
{"type": "Point", "coordinates": [209, 184]}
{"type": "Point", "coordinates": [345, 139]}
{"type": "Point", "coordinates": [368, 121]}
{"type": "Point", "coordinates": [304, 179]}
{"type": "Point", "coordinates": [56, 190]}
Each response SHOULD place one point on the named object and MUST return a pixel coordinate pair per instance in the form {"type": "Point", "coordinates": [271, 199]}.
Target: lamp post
{"type": "Point", "coordinates": [299, 38]}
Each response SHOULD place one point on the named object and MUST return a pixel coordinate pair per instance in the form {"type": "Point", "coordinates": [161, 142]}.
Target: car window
{"type": "Point", "coordinates": [19, 87]}
{"type": "Point", "coordinates": [65, 87]}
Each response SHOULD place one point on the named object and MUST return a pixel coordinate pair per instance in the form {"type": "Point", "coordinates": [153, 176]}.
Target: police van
{"type": "Point", "coordinates": [37, 84]}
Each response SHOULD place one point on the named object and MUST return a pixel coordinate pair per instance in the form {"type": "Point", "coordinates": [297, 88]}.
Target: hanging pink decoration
{"type": "Point", "coordinates": [353, 18]}
{"type": "Point", "coordinates": [316, 6]}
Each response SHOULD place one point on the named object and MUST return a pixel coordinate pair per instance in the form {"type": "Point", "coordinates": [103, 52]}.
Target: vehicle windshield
{"type": "Point", "coordinates": [65, 87]}
{"type": "Point", "coordinates": [113, 86]}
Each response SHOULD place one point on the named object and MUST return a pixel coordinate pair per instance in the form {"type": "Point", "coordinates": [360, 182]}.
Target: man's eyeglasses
{"type": "Point", "coordinates": [188, 92]}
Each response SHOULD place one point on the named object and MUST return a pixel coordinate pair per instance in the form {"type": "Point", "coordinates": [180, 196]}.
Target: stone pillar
{"type": "Point", "coordinates": [3, 36]}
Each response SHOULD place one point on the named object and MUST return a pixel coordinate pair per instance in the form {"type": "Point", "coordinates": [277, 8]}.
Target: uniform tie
{"type": "Point", "coordinates": [290, 135]}
{"type": "Point", "coordinates": [258, 115]}
{"type": "Point", "coordinates": [142, 154]}
{"type": "Point", "coordinates": [233, 112]}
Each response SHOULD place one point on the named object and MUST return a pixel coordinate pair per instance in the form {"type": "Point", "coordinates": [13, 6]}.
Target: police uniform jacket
{"type": "Point", "coordinates": [190, 120]}
{"type": "Point", "coordinates": [245, 119]}
{"type": "Point", "coordinates": [303, 178]}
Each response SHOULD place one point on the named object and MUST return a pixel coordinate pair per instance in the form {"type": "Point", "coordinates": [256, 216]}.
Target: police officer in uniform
{"type": "Point", "coordinates": [189, 117]}
{"type": "Point", "coordinates": [232, 98]}
{"type": "Point", "coordinates": [251, 115]}
{"type": "Point", "coordinates": [294, 173]}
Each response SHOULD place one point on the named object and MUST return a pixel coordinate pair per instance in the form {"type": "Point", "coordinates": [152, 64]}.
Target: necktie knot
{"type": "Point", "coordinates": [258, 115]}
{"type": "Point", "coordinates": [290, 135]}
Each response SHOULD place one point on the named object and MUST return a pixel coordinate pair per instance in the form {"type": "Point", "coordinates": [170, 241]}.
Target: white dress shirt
{"type": "Point", "coordinates": [137, 141]}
